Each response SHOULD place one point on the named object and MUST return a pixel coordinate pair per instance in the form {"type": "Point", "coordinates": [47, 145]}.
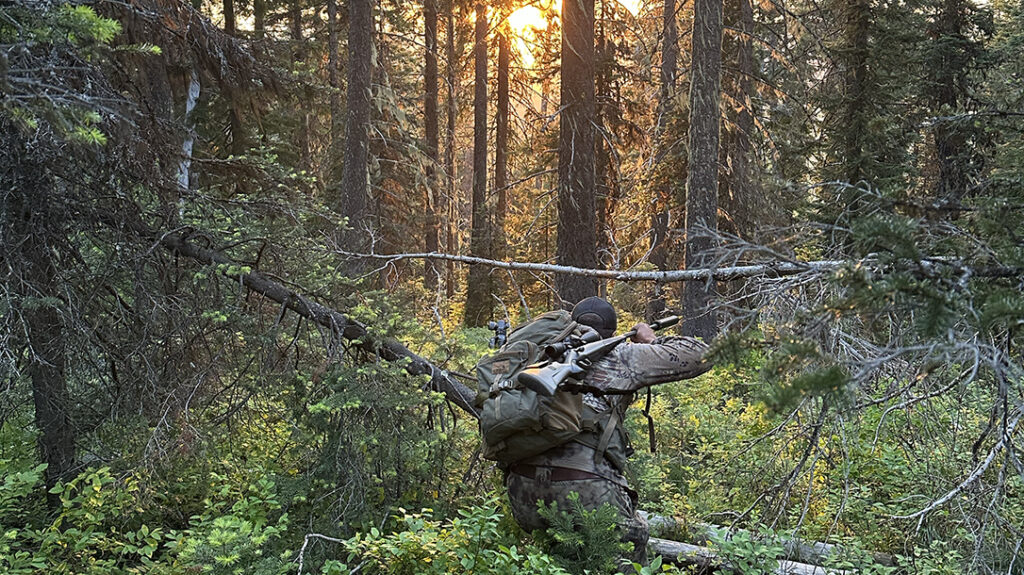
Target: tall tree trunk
{"type": "Point", "coordinates": [735, 187]}
{"type": "Point", "coordinates": [259, 18]}
{"type": "Point", "coordinates": [451, 116]}
{"type": "Point", "coordinates": [478, 291]}
{"type": "Point", "coordinates": [434, 204]}
{"type": "Point", "coordinates": [949, 70]}
{"type": "Point", "coordinates": [354, 184]}
{"type": "Point", "coordinates": [577, 226]}
{"type": "Point", "coordinates": [702, 178]}
{"type": "Point", "coordinates": [660, 218]}
{"type": "Point", "coordinates": [229, 17]}
{"type": "Point", "coordinates": [743, 160]}
{"type": "Point", "coordinates": [27, 251]}
{"type": "Point", "coordinates": [500, 247]}
{"type": "Point", "coordinates": [604, 164]}
{"type": "Point", "coordinates": [855, 87]}
{"type": "Point", "coordinates": [191, 99]}
{"type": "Point", "coordinates": [298, 56]}
{"type": "Point", "coordinates": [47, 357]}
{"type": "Point", "coordinates": [238, 143]}
{"type": "Point", "coordinates": [333, 65]}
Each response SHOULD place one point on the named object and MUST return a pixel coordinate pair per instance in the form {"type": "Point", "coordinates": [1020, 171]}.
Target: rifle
{"type": "Point", "coordinates": [574, 356]}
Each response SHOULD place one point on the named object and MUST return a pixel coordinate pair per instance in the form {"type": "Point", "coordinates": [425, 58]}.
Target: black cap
{"type": "Point", "coordinates": [596, 313]}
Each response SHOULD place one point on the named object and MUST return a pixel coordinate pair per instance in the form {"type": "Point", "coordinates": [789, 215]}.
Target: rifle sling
{"type": "Point", "coordinates": [650, 421]}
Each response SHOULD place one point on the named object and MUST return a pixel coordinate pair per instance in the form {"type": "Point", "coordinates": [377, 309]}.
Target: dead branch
{"type": "Point", "coordinates": [388, 349]}
{"type": "Point", "coordinates": [727, 273]}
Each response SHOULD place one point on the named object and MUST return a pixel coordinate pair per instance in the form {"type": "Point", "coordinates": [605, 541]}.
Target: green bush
{"type": "Point", "coordinates": [473, 543]}
{"type": "Point", "coordinates": [92, 531]}
{"type": "Point", "coordinates": [96, 531]}
{"type": "Point", "coordinates": [747, 555]}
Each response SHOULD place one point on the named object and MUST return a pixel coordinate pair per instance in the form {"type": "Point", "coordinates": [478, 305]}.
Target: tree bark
{"type": "Point", "coordinates": [855, 88]}
{"type": "Point", "coordinates": [354, 184]}
{"type": "Point", "coordinates": [238, 143]}
{"type": "Point", "coordinates": [606, 181]}
{"type": "Point", "coordinates": [191, 99]}
{"type": "Point", "coordinates": [28, 253]}
{"type": "Point", "coordinates": [702, 178]}
{"type": "Point", "coordinates": [434, 203]}
{"type": "Point", "coordinates": [660, 217]}
{"type": "Point", "coordinates": [333, 65]}
{"type": "Point", "coordinates": [259, 18]}
{"type": "Point", "coordinates": [451, 115]}
{"type": "Point", "coordinates": [499, 249]}
{"type": "Point", "coordinates": [577, 226]}
{"type": "Point", "coordinates": [229, 17]}
{"type": "Point", "coordinates": [478, 292]}
{"type": "Point", "coordinates": [949, 71]}
{"type": "Point", "coordinates": [299, 55]}
{"type": "Point", "coordinates": [735, 188]}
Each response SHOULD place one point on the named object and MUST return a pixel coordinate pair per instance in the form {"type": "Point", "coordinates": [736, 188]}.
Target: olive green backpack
{"type": "Point", "coordinates": [515, 422]}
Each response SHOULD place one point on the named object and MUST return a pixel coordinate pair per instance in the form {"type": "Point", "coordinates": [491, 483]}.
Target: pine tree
{"type": "Point", "coordinates": [702, 179]}
{"type": "Point", "coordinates": [478, 290]}
{"type": "Point", "coordinates": [577, 226]}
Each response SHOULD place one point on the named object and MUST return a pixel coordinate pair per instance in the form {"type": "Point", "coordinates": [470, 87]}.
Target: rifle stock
{"type": "Point", "coordinates": [545, 379]}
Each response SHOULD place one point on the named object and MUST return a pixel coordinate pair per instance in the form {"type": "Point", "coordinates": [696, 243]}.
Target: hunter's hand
{"type": "Point", "coordinates": [644, 333]}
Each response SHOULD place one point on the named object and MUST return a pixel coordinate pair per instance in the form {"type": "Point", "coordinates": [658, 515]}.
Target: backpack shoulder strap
{"type": "Point", "coordinates": [609, 430]}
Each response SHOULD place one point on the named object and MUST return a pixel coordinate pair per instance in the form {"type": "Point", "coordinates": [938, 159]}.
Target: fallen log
{"type": "Point", "coordinates": [795, 549]}
{"type": "Point", "coordinates": [706, 560]}
{"type": "Point", "coordinates": [341, 325]}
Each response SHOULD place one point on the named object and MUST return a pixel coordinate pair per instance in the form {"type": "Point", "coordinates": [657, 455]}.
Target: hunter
{"type": "Point", "coordinates": [576, 466]}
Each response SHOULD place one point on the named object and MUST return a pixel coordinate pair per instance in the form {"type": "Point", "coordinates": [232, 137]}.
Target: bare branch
{"type": "Point", "coordinates": [727, 273]}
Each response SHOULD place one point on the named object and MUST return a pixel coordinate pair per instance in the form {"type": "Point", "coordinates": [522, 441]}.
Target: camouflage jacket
{"type": "Point", "coordinates": [629, 367]}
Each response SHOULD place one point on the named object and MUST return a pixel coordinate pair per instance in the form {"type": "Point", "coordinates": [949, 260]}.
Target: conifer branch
{"type": "Point", "coordinates": [389, 349]}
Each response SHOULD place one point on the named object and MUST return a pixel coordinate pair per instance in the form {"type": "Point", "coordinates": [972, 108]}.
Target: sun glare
{"type": "Point", "coordinates": [529, 21]}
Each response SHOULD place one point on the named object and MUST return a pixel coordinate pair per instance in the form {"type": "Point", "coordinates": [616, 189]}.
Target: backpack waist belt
{"type": "Point", "coordinates": [539, 472]}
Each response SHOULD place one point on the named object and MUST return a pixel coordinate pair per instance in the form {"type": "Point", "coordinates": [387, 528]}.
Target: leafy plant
{"type": "Point", "coordinates": [747, 555]}
{"type": "Point", "coordinates": [473, 543]}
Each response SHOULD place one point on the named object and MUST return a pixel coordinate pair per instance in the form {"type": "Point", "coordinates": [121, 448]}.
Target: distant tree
{"type": "Point", "coordinates": [499, 248]}
{"type": "Point", "coordinates": [478, 290]}
{"type": "Point", "coordinates": [577, 224]}
{"type": "Point", "coordinates": [333, 65]}
{"type": "Point", "coordinates": [259, 18]}
{"type": "Point", "coordinates": [434, 206]}
{"type": "Point", "coordinates": [451, 118]}
{"type": "Point", "coordinates": [238, 141]}
{"type": "Point", "coordinates": [737, 190]}
{"type": "Point", "coordinates": [33, 221]}
{"type": "Point", "coordinates": [664, 143]}
{"type": "Point", "coordinates": [956, 47]}
{"type": "Point", "coordinates": [702, 178]}
{"type": "Point", "coordinates": [354, 185]}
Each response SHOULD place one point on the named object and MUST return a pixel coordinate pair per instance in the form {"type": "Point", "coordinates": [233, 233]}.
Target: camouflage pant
{"type": "Point", "coordinates": [524, 493]}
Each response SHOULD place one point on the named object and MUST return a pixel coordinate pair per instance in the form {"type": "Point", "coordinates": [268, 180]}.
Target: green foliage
{"type": "Point", "coordinates": [41, 31]}
{"type": "Point", "coordinates": [234, 539]}
{"type": "Point", "coordinates": [98, 529]}
{"type": "Point", "coordinates": [939, 558]}
{"type": "Point", "coordinates": [90, 533]}
{"type": "Point", "coordinates": [81, 25]}
{"type": "Point", "coordinates": [852, 557]}
{"type": "Point", "coordinates": [473, 543]}
{"type": "Point", "coordinates": [583, 540]}
{"type": "Point", "coordinates": [746, 554]}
